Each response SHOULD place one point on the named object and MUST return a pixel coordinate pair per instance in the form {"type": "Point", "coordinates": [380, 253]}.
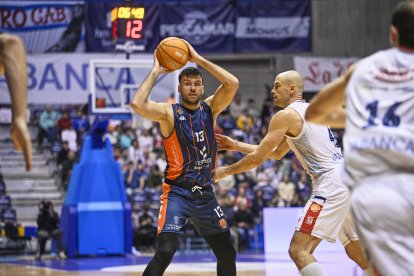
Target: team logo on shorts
{"type": "Point", "coordinates": [222, 223]}
{"type": "Point", "coordinates": [309, 220]}
{"type": "Point", "coordinates": [176, 219]}
{"type": "Point", "coordinates": [315, 207]}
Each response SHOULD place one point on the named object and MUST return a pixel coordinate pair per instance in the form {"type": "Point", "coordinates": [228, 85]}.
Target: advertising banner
{"type": "Point", "coordinates": [65, 79]}
{"type": "Point", "coordinates": [209, 28]}
{"type": "Point", "coordinates": [319, 71]}
{"type": "Point", "coordinates": [45, 27]}
{"type": "Point", "coordinates": [273, 26]}
{"type": "Point", "coordinates": [221, 27]}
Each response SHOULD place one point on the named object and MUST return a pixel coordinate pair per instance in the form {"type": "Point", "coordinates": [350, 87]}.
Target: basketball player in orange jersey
{"type": "Point", "coordinates": [13, 65]}
{"type": "Point", "coordinates": [378, 93]}
{"type": "Point", "coordinates": [326, 214]}
{"type": "Point", "coordinates": [188, 136]}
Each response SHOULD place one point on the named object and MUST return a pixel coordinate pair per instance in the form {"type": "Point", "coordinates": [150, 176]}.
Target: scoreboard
{"type": "Point", "coordinates": [128, 22]}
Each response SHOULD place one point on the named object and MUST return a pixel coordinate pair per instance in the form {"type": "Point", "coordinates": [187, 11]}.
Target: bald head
{"type": "Point", "coordinates": [290, 78]}
{"type": "Point", "coordinates": [288, 87]}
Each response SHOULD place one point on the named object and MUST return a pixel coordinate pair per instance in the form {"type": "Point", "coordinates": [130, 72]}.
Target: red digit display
{"type": "Point", "coordinates": [133, 29]}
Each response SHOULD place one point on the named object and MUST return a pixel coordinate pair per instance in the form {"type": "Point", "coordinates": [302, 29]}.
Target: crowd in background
{"type": "Point", "coordinates": [137, 147]}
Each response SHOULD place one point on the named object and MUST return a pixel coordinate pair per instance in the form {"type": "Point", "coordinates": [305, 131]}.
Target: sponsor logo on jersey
{"type": "Point", "coordinates": [180, 111]}
{"type": "Point", "coordinates": [315, 207]}
{"type": "Point", "coordinates": [181, 118]}
{"type": "Point", "coordinates": [222, 223]}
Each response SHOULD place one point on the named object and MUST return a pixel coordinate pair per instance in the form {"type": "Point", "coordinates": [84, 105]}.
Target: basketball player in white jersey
{"type": "Point", "coordinates": [379, 144]}
{"type": "Point", "coordinates": [316, 148]}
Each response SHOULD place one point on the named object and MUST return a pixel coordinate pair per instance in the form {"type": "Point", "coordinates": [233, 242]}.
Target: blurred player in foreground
{"type": "Point", "coordinates": [326, 214]}
{"type": "Point", "coordinates": [13, 65]}
{"type": "Point", "coordinates": [188, 136]}
{"type": "Point", "coordinates": [378, 93]}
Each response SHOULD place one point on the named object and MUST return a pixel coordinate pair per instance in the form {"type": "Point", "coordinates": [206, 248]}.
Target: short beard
{"type": "Point", "coordinates": [187, 101]}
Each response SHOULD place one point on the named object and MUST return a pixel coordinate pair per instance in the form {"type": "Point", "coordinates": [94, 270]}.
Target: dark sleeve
{"type": "Point", "coordinates": [55, 218]}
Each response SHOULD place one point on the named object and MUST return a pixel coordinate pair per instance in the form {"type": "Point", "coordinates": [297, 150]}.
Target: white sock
{"type": "Point", "coordinates": [312, 269]}
{"type": "Point", "coordinates": [369, 271]}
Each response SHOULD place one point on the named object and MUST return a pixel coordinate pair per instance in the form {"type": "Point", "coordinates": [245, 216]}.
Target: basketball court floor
{"type": "Point", "coordinates": [199, 264]}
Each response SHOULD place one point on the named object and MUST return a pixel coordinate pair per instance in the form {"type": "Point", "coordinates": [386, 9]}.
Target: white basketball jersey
{"type": "Point", "coordinates": [315, 147]}
{"type": "Point", "coordinates": [379, 136]}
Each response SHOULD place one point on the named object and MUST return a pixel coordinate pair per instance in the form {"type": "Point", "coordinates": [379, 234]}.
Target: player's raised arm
{"type": "Point", "coordinates": [227, 143]}
{"type": "Point", "coordinates": [13, 57]}
{"type": "Point", "coordinates": [229, 83]}
{"type": "Point", "coordinates": [142, 105]}
{"type": "Point", "coordinates": [278, 127]}
{"type": "Point", "coordinates": [327, 107]}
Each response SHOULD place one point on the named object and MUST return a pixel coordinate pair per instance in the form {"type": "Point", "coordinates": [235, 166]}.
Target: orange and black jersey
{"type": "Point", "coordinates": [191, 149]}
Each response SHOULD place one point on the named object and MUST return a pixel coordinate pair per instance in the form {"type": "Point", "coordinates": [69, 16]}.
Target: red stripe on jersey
{"type": "Point", "coordinates": [310, 218]}
{"type": "Point", "coordinates": [174, 156]}
{"type": "Point", "coordinates": [164, 205]}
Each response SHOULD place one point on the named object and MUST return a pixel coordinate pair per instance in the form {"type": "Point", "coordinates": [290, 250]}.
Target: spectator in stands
{"type": "Point", "coordinates": [48, 126]}
{"type": "Point", "coordinates": [227, 123]}
{"type": "Point", "coordinates": [63, 154]}
{"type": "Point", "coordinates": [258, 203]}
{"type": "Point", "coordinates": [126, 138]}
{"type": "Point", "coordinates": [161, 161]}
{"type": "Point", "coordinates": [13, 65]}
{"type": "Point", "coordinates": [69, 135]}
{"type": "Point", "coordinates": [241, 194]}
{"type": "Point", "coordinates": [304, 187]}
{"type": "Point", "coordinates": [145, 234]}
{"type": "Point", "coordinates": [296, 169]}
{"type": "Point", "coordinates": [155, 178]}
{"type": "Point", "coordinates": [286, 190]}
{"type": "Point", "coordinates": [66, 171]}
{"type": "Point", "coordinates": [135, 151]}
{"type": "Point", "coordinates": [142, 175]}
{"type": "Point", "coordinates": [251, 109]}
{"type": "Point", "coordinates": [131, 178]}
{"type": "Point", "coordinates": [48, 228]}
{"type": "Point", "coordinates": [64, 122]}
{"type": "Point", "coordinates": [80, 125]}
{"type": "Point", "coordinates": [243, 221]}
{"type": "Point", "coordinates": [236, 107]}
{"type": "Point", "coordinates": [146, 141]}
{"type": "Point", "coordinates": [245, 122]}
{"type": "Point", "coordinates": [267, 113]}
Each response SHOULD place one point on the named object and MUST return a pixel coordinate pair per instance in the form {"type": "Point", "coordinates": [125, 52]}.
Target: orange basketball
{"type": "Point", "coordinates": [172, 53]}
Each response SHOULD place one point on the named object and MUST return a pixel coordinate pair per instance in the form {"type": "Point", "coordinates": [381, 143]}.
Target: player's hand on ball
{"type": "Point", "coordinates": [19, 133]}
{"type": "Point", "coordinates": [157, 66]}
{"type": "Point", "coordinates": [193, 55]}
{"type": "Point", "coordinates": [225, 142]}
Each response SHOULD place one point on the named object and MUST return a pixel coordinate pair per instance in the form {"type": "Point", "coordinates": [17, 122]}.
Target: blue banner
{"type": "Point", "coordinates": [221, 27]}
{"type": "Point", "coordinates": [209, 28]}
{"type": "Point", "coordinates": [273, 26]}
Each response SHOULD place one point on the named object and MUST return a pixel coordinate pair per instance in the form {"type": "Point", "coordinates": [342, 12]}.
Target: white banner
{"type": "Point", "coordinates": [64, 78]}
{"type": "Point", "coordinates": [318, 71]}
{"type": "Point", "coordinates": [45, 26]}
{"type": "Point", "coordinates": [272, 27]}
